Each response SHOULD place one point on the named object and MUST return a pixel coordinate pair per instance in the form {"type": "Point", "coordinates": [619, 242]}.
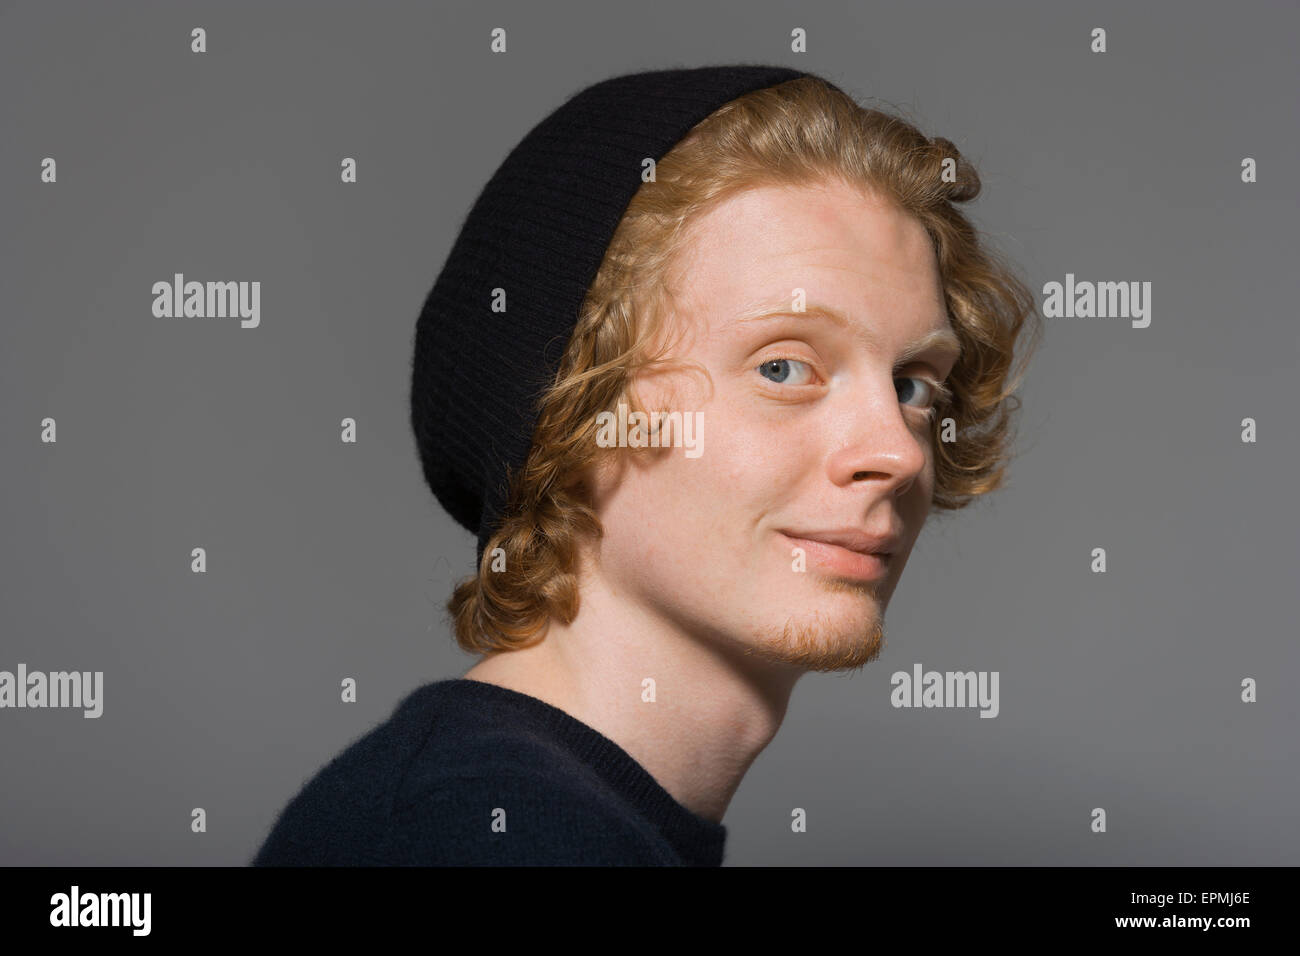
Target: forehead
{"type": "Point", "coordinates": [843, 246]}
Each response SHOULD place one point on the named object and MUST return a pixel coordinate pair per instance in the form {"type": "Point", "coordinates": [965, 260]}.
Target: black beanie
{"type": "Point", "coordinates": [539, 231]}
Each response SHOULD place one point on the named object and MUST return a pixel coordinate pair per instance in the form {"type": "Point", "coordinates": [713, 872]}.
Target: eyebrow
{"type": "Point", "coordinates": [942, 340]}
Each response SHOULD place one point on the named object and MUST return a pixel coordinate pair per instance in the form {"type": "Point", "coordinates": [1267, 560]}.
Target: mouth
{"type": "Point", "coordinates": [840, 560]}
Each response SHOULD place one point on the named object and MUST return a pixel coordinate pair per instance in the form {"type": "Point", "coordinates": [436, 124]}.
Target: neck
{"type": "Point", "coordinates": [709, 712]}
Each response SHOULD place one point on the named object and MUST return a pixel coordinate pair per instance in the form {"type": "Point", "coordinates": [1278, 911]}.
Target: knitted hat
{"type": "Point", "coordinates": [538, 232]}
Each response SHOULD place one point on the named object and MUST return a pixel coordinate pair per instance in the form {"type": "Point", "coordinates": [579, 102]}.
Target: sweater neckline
{"type": "Point", "coordinates": [696, 838]}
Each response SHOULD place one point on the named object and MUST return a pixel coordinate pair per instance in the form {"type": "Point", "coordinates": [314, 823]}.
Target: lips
{"type": "Point", "coordinates": [851, 538]}
{"type": "Point", "coordinates": [852, 559]}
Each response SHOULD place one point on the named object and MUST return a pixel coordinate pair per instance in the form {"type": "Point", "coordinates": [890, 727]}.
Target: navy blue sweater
{"type": "Point", "coordinates": [466, 773]}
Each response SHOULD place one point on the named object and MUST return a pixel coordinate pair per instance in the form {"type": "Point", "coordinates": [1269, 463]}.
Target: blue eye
{"type": "Point", "coordinates": [784, 371]}
{"type": "Point", "coordinates": [938, 393]}
{"type": "Point", "coordinates": [903, 397]}
{"type": "Point", "coordinates": [781, 367]}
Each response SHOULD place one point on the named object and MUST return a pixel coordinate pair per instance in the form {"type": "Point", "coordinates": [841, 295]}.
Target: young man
{"type": "Point", "coordinates": [778, 279]}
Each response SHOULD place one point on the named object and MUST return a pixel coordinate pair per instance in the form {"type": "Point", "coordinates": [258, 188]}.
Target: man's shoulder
{"type": "Point", "coordinates": [435, 787]}
{"type": "Point", "coordinates": [527, 815]}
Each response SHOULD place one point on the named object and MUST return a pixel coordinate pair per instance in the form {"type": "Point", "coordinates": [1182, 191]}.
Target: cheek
{"type": "Point", "coordinates": [674, 507]}
{"type": "Point", "coordinates": [741, 460]}
{"type": "Point", "coordinates": [764, 460]}
{"type": "Point", "coordinates": [671, 508]}
{"type": "Point", "coordinates": [923, 491]}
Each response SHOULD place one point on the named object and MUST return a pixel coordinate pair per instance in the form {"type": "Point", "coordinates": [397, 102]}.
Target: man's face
{"type": "Point", "coordinates": [810, 428]}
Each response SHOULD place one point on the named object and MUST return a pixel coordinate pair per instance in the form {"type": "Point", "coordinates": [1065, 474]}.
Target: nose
{"type": "Point", "coordinates": [880, 441]}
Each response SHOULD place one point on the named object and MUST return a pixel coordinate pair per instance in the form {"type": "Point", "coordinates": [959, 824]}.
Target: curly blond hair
{"type": "Point", "coordinates": [800, 132]}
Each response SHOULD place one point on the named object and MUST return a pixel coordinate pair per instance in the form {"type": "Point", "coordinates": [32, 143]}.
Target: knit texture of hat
{"type": "Point", "coordinates": [538, 231]}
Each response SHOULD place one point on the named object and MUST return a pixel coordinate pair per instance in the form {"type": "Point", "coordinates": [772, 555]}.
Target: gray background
{"type": "Point", "coordinates": [328, 560]}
